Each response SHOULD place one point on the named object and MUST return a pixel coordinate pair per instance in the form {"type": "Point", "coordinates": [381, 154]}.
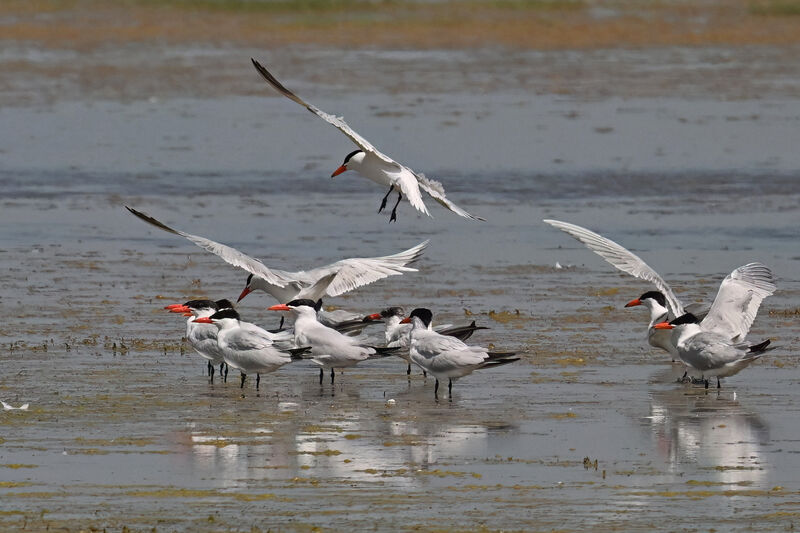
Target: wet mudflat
{"type": "Point", "coordinates": [588, 431]}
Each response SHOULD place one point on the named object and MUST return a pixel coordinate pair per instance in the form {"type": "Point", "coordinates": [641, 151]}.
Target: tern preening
{"type": "Point", "coordinates": [330, 348]}
{"type": "Point", "coordinates": [246, 346]}
{"type": "Point", "coordinates": [444, 356]}
{"type": "Point", "coordinates": [708, 353]}
{"type": "Point", "coordinates": [373, 164]}
{"type": "Point", "coordinates": [330, 280]}
{"type": "Point", "coordinates": [731, 315]}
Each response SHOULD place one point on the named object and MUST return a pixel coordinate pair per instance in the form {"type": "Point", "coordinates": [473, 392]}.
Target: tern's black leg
{"type": "Point", "coordinates": [225, 379]}
{"type": "Point", "coordinates": [408, 372]}
{"type": "Point", "coordinates": [424, 374]}
{"type": "Point", "coordinates": [321, 375]}
{"type": "Point", "coordinates": [450, 389]}
{"type": "Point", "coordinates": [258, 380]}
{"type": "Point", "coordinates": [333, 375]}
{"type": "Point", "coordinates": [394, 209]}
{"type": "Point", "coordinates": [210, 369]}
{"type": "Point", "coordinates": [705, 382]}
{"type": "Point", "coordinates": [383, 202]}
{"type": "Point", "coordinates": [718, 385]}
{"type": "Point", "coordinates": [244, 376]}
{"type": "Point", "coordinates": [436, 389]}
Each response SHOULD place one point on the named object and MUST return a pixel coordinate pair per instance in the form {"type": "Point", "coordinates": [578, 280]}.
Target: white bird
{"type": "Point", "coordinates": [9, 407]}
{"type": "Point", "coordinates": [732, 313]}
{"type": "Point", "coordinates": [444, 356]}
{"type": "Point", "coordinates": [201, 337]}
{"type": "Point", "coordinates": [330, 348]}
{"type": "Point", "coordinates": [709, 353]}
{"type": "Point", "coordinates": [396, 332]}
{"type": "Point", "coordinates": [246, 346]}
{"type": "Point", "coordinates": [330, 280]}
{"type": "Point", "coordinates": [374, 165]}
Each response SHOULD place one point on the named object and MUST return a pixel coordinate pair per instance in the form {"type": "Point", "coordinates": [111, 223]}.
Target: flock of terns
{"type": "Point", "coordinates": [710, 343]}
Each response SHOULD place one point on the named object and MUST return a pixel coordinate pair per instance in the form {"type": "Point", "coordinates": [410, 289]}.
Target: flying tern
{"type": "Point", "coordinates": [373, 164]}
{"type": "Point", "coordinates": [330, 280]}
{"type": "Point", "coordinates": [735, 307]}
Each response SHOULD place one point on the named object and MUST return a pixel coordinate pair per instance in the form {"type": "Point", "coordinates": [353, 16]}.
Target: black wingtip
{"type": "Point", "coordinates": [758, 348]}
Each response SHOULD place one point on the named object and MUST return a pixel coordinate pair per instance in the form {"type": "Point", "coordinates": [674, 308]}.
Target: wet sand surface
{"type": "Point", "coordinates": [589, 431]}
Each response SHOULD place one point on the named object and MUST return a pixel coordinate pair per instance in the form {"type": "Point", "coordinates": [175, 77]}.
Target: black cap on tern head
{"type": "Point", "coordinates": [423, 314]}
{"type": "Point", "coordinates": [225, 313]}
{"type": "Point", "coordinates": [350, 155]}
{"type": "Point", "coordinates": [655, 295]}
{"type": "Point", "coordinates": [305, 301]}
{"type": "Point", "coordinates": [224, 304]}
{"type": "Point", "coordinates": [688, 318]}
{"type": "Point", "coordinates": [249, 278]}
{"type": "Point", "coordinates": [201, 304]}
{"type": "Point", "coordinates": [393, 311]}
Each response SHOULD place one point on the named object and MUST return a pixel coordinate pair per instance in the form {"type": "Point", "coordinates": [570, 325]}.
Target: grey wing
{"type": "Point", "coordinates": [232, 256]}
{"type": "Point", "coordinates": [248, 339]}
{"type": "Point", "coordinates": [338, 122]}
{"type": "Point", "coordinates": [710, 350]}
{"type": "Point", "coordinates": [436, 191]}
{"type": "Point", "coordinates": [429, 344]}
{"type": "Point", "coordinates": [738, 299]}
{"type": "Point", "coordinates": [358, 271]}
{"type": "Point", "coordinates": [621, 258]}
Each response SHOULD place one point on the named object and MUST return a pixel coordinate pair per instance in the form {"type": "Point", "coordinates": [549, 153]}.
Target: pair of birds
{"type": "Point", "coordinates": [252, 349]}
{"type": "Point", "coordinates": [711, 345]}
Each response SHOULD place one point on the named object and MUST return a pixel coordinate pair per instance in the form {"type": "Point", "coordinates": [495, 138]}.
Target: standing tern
{"type": "Point", "coordinates": [246, 346]}
{"type": "Point", "coordinates": [709, 353]}
{"type": "Point", "coordinates": [201, 337]}
{"type": "Point", "coordinates": [331, 349]}
{"type": "Point", "coordinates": [396, 333]}
{"type": "Point", "coordinates": [374, 165]}
{"type": "Point", "coordinates": [330, 280]}
{"type": "Point", "coordinates": [735, 307]}
{"type": "Point", "coordinates": [447, 357]}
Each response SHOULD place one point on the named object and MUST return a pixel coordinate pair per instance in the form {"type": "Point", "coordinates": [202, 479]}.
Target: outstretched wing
{"type": "Point", "coordinates": [436, 191]}
{"type": "Point", "coordinates": [738, 299]}
{"type": "Point", "coordinates": [622, 259]}
{"type": "Point", "coordinates": [230, 255]}
{"type": "Point", "coordinates": [338, 122]}
{"type": "Point", "coordinates": [359, 271]}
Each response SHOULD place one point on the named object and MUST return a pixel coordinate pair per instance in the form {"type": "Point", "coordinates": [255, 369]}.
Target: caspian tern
{"type": "Point", "coordinates": [246, 346]}
{"type": "Point", "coordinates": [709, 353]}
{"type": "Point", "coordinates": [201, 337]}
{"type": "Point", "coordinates": [396, 333]}
{"type": "Point", "coordinates": [331, 349]}
{"type": "Point", "coordinates": [374, 165]}
{"type": "Point", "coordinates": [739, 296]}
{"type": "Point", "coordinates": [331, 280]}
{"type": "Point", "coordinates": [447, 357]}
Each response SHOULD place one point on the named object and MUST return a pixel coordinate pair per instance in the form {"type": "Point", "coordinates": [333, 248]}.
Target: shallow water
{"type": "Point", "coordinates": [588, 430]}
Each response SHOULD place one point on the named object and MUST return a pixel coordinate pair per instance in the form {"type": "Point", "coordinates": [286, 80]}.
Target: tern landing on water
{"type": "Point", "coordinates": [374, 165]}
{"type": "Point", "coordinates": [707, 353]}
{"type": "Point", "coordinates": [331, 280]}
{"type": "Point", "coordinates": [731, 315]}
